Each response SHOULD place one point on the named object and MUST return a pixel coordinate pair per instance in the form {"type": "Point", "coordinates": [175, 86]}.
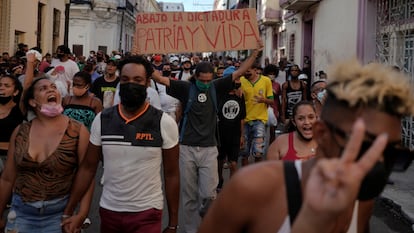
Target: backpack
{"type": "Point", "coordinates": [191, 98]}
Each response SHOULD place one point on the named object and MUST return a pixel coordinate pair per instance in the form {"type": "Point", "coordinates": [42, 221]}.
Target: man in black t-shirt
{"type": "Point", "coordinates": [104, 87]}
{"type": "Point", "coordinates": [198, 142]}
{"type": "Point", "coordinates": [231, 114]}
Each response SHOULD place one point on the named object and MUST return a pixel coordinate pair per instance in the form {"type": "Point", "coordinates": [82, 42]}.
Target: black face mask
{"type": "Point", "coordinates": [60, 55]}
{"type": "Point", "coordinates": [132, 95]}
{"type": "Point", "coordinates": [166, 73]}
{"type": "Point", "coordinates": [376, 179]}
{"type": "Point", "coordinates": [5, 99]}
{"type": "Point", "coordinates": [187, 68]}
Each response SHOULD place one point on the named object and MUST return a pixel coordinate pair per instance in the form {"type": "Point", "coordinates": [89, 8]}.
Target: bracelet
{"type": "Point", "coordinates": [173, 227]}
{"type": "Point", "coordinates": [65, 216]}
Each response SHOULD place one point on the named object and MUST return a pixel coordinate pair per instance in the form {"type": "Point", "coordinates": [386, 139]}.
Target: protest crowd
{"type": "Point", "coordinates": [165, 126]}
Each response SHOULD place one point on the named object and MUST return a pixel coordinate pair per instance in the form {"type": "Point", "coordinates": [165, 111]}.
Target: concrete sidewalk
{"type": "Point", "coordinates": [400, 195]}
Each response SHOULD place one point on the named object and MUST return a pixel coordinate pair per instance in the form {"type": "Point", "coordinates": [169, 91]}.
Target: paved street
{"type": "Point", "coordinates": [385, 219]}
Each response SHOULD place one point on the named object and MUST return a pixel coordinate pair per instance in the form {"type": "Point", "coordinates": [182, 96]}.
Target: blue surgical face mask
{"type": "Point", "coordinates": [321, 95]}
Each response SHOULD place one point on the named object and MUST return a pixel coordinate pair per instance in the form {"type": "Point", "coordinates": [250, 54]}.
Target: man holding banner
{"type": "Point", "coordinates": [198, 142]}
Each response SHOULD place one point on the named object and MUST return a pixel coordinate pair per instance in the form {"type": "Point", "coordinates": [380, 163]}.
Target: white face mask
{"type": "Point", "coordinates": [321, 95]}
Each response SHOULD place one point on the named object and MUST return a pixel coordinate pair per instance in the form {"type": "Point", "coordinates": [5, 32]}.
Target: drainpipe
{"type": "Point", "coordinates": [67, 9]}
{"type": "Point", "coordinates": [121, 31]}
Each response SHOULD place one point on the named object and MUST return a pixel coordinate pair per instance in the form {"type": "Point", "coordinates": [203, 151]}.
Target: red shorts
{"type": "Point", "coordinates": [147, 221]}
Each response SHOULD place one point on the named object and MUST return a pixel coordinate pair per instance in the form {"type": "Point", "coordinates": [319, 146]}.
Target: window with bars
{"type": "Point", "coordinates": [282, 39]}
{"type": "Point", "coordinates": [56, 22]}
{"type": "Point", "coordinates": [409, 51]}
{"type": "Point", "coordinates": [395, 11]}
{"type": "Point", "coordinates": [395, 46]}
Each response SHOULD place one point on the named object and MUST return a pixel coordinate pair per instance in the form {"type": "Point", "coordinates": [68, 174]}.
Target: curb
{"type": "Point", "coordinates": [396, 211]}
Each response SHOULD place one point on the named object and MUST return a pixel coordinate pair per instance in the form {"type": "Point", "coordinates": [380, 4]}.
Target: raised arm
{"type": "Point", "coordinates": [28, 79]}
{"type": "Point", "coordinates": [157, 76]}
{"type": "Point", "coordinates": [249, 61]}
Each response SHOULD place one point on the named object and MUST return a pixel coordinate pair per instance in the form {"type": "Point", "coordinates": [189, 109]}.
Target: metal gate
{"type": "Point", "coordinates": [395, 46]}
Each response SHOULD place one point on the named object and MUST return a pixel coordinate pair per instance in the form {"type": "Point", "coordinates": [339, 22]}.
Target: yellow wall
{"type": "Point", "coordinates": [23, 18]}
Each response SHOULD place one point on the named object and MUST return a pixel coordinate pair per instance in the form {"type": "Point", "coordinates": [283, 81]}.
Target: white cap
{"type": "Point", "coordinates": [117, 57]}
{"type": "Point", "coordinates": [36, 53]}
{"type": "Point", "coordinates": [303, 76]}
{"type": "Point", "coordinates": [172, 59]}
{"type": "Point", "coordinates": [185, 59]}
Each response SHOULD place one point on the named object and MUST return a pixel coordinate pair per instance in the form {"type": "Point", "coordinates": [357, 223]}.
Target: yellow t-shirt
{"type": "Point", "coordinates": [262, 86]}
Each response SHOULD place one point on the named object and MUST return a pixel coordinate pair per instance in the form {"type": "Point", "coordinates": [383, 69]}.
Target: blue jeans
{"type": "Point", "coordinates": [38, 216]}
{"type": "Point", "coordinates": [254, 139]}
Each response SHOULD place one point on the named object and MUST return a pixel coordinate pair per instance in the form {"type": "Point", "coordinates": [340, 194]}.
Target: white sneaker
{"type": "Point", "coordinates": [86, 223]}
{"type": "Point", "coordinates": [225, 165]}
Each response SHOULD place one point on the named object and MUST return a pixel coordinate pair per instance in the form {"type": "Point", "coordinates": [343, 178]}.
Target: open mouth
{"type": "Point", "coordinates": [52, 99]}
{"type": "Point", "coordinates": [307, 130]}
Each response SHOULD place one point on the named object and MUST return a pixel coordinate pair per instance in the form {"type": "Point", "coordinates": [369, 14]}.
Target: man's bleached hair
{"type": "Point", "coordinates": [373, 85]}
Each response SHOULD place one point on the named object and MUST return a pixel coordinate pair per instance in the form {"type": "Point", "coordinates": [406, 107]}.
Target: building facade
{"type": "Point", "coordinates": [171, 7]}
{"type": "Point", "coordinates": [336, 30]}
{"type": "Point", "coordinates": [33, 22]}
{"type": "Point", "coordinates": [319, 30]}
{"type": "Point", "coordinates": [269, 21]}
{"type": "Point", "coordinates": [107, 25]}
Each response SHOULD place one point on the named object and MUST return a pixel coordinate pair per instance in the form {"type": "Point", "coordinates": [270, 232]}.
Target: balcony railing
{"type": "Point", "coordinates": [297, 5]}
{"type": "Point", "coordinates": [271, 16]}
{"type": "Point", "coordinates": [268, 12]}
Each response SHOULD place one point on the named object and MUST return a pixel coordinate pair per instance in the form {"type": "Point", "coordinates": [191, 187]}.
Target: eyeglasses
{"type": "Point", "coordinates": [395, 156]}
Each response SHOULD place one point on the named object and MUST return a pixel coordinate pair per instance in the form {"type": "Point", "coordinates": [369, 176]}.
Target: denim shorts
{"type": "Point", "coordinates": [38, 216]}
{"type": "Point", "coordinates": [254, 139]}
